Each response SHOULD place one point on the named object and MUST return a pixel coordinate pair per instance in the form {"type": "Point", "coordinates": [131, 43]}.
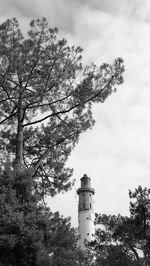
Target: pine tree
{"type": "Point", "coordinates": [46, 96]}
{"type": "Point", "coordinates": [129, 236]}
{"type": "Point", "coordinates": [30, 234]}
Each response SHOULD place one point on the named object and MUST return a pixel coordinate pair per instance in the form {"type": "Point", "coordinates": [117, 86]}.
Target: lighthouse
{"type": "Point", "coordinates": [86, 214]}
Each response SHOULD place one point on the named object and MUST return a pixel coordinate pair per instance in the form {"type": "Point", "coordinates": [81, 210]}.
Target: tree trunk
{"type": "Point", "coordinates": [19, 137]}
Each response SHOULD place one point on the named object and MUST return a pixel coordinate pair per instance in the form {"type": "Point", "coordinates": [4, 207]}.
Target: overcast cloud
{"type": "Point", "coordinates": [116, 152]}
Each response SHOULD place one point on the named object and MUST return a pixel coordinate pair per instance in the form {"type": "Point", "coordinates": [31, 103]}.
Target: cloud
{"type": "Point", "coordinates": [65, 10]}
{"type": "Point", "coordinates": [116, 152]}
{"type": "Point", "coordinates": [58, 13]}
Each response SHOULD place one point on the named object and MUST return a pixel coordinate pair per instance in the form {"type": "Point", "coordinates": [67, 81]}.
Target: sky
{"type": "Point", "coordinates": [116, 152]}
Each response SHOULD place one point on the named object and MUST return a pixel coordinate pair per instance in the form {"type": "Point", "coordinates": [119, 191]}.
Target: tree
{"type": "Point", "coordinates": [21, 219]}
{"type": "Point", "coordinates": [127, 235]}
{"type": "Point", "coordinates": [113, 244]}
{"type": "Point", "coordinates": [30, 234]}
{"type": "Point", "coordinates": [46, 97]}
{"type": "Point", "coordinates": [140, 214]}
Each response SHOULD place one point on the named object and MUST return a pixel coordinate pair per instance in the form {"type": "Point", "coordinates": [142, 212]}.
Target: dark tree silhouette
{"type": "Point", "coordinates": [30, 234]}
{"type": "Point", "coordinates": [129, 236]}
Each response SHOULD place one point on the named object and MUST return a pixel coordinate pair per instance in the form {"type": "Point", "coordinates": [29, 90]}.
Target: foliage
{"type": "Point", "coordinates": [46, 96]}
{"type": "Point", "coordinates": [30, 234]}
{"type": "Point", "coordinates": [20, 234]}
{"type": "Point", "coordinates": [140, 214]}
{"type": "Point", "coordinates": [125, 239]}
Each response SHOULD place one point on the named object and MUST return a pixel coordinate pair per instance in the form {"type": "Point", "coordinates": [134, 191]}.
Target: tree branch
{"type": "Point", "coordinates": [11, 80]}
{"type": "Point", "coordinates": [129, 245]}
{"type": "Point", "coordinates": [48, 104]}
{"type": "Point", "coordinates": [10, 98]}
{"type": "Point", "coordinates": [35, 63]}
{"type": "Point", "coordinates": [10, 116]}
{"type": "Point", "coordinates": [6, 100]}
{"type": "Point", "coordinates": [71, 108]}
{"type": "Point", "coordinates": [38, 163]}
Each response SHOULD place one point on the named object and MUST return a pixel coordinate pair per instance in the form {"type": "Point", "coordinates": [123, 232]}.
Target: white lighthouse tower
{"type": "Point", "coordinates": [86, 214]}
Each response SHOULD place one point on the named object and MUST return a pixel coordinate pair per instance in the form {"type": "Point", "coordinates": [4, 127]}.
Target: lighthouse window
{"type": "Point", "coordinates": [90, 206]}
{"type": "Point", "coordinates": [90, 195]}
{"type": "Point", "coordinates": [83, 205]}
{"type": "Point", "coordinates": [88, 234]}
